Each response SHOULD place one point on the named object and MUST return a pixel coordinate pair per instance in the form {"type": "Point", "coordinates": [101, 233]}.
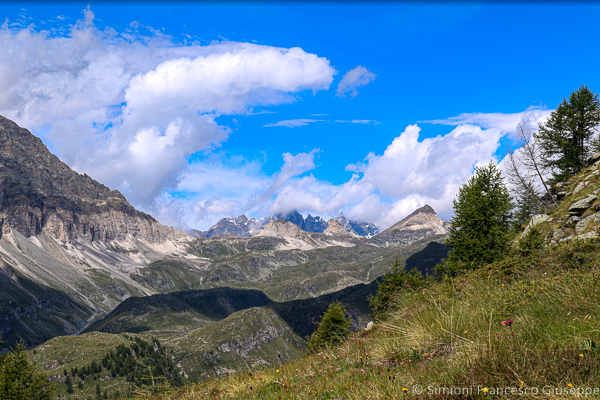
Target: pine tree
{"type": "Point", "coordinates": [69, 383]}
{"type": "Point", "coordinates": [333, 328]}
{"type": "Point", "coordinates": [480, 229]}
{"type": "Point", "coordinates": [19, 379]}
{"type": "Point", "coordinates": [394, 280]}
{"type": "Point", "coordinates": [566, 139]}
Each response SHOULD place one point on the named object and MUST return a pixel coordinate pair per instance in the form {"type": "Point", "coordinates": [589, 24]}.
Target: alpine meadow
{"type": "Point", "coordinates": [259, 200]}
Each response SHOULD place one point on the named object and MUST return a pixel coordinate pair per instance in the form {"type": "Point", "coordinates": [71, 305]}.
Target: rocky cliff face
{"type": "Point", "coordinates": [39, 193]}
{"type": "Point", "coordinates": [422, 223]}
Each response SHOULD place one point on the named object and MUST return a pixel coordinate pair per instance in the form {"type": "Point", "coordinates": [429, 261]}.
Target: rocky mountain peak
{"type": "Point", "coordinates": [40, 193]}
{"type": "Point", "coordinates": [335, 228]}
{"type": "Point", "coordinates": [419, 224]}
{"type": "Point", "coordinates": [283, 229]}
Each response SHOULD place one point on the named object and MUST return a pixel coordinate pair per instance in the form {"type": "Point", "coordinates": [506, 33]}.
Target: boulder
{"type": "Point", "coordinates": [583, 223]}
{"type": "Point", "coordinates": [580, 206]}
{"type": "Point", "coordinates": [533, 222]}
{"type": "Point", "coordinates": [593, 158]}
{"type": "Point", "coordinates": [580, 186]}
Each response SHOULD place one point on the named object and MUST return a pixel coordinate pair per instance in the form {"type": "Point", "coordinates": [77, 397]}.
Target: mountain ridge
{"type": "Point", "coordinates": [243, 226]}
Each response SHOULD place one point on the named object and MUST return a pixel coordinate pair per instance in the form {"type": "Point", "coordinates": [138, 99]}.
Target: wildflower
{"type": "Point", "coordinates": [581, 355]}
{"type": "Point", "coordinates": [277, 371]}
{"type": "Point", "coordinates": [522, 383]}
{"type": "Point", "coordinates": [509, 322]}
{"type": "Point", "coordinates": [466, 331]}
{"type": "Point", "coordinates": [503, 284]}
{"type": "Point", "coordinates": [485, 390]}
{"type": "Point", "coordinates": [570, 385]}
{"type": "Point", "coordinates": [404, 389]}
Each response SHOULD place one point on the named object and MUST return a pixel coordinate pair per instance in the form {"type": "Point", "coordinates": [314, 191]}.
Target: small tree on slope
{"type": "Point", "coordinates": [333, 328]}
{"type": "Point", "coordinates": [480, 228]}
{"type": "Point", "coordinates": [19, 379]}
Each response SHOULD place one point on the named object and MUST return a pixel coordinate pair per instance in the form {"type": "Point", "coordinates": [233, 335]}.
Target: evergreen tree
{"type": "Point", "coordinates": [19, 379]}
{"type": "Point", "coordinates": [566, 139]}
{"type": "Point", "coordinates": [394, 280]}
{"type": "Point", "coordinates": [480, 229]}
{"type": "Point", "coordinates": [69, 383]}
{"type": "Point", "coordinates": [533, 240]}
{"type": "Point", "coordinates": [333, 328]}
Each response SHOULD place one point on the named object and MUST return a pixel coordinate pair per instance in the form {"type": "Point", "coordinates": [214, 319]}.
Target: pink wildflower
{"type": "Point", "coordinates": [509, 322]}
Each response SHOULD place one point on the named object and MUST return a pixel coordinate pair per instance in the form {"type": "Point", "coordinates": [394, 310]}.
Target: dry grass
{"type": "Point", "coordinates": [450, 336]}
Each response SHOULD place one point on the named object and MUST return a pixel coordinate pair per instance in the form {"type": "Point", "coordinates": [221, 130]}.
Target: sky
{"type": "Point", "coordinates": [199, 111]}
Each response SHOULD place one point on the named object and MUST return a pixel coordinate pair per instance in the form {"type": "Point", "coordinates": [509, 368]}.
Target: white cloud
{"type": "Point", "coordinates": [503, 122]}
{"type": "Point", "coordinates": [129, 109]}
{"type": "Point", "coordinates": [359, 121]}
{"type": "Point", "coordinates": [384, 188]}
{"type": "Point", "coordinates": [354, 79]}
{"type": "Point", "coordinates": [293, 123]}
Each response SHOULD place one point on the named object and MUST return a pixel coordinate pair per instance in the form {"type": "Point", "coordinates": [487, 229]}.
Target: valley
{"type": "Point", "coordinates": [78, 261]}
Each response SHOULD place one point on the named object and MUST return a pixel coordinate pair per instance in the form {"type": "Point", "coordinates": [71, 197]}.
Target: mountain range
{"type": "Point", "coordinates": [243, 226]}
{"type": "Point", "coordinates": [75, 256]}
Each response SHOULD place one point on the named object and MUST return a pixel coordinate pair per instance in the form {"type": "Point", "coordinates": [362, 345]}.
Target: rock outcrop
{"type": "Point", "coordinates": [41, 194]}
{"type": "Point", "coordinates": [334, 228]}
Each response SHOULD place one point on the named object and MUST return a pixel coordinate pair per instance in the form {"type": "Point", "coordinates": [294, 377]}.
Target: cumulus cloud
{"type": "Point", "coordinates": [354, 79]}
{"type": "Point", "coordinates": [384, 188]}
{"type": "Point", "coordinates": [129, 108]}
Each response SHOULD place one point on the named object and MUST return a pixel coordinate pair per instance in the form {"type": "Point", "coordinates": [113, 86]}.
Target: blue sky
{"type": "Point", "coordinates": [208, 145]}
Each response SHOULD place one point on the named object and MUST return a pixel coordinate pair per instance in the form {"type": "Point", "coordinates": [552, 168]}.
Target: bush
{"type": "Point", "coordinates": [333, 328]}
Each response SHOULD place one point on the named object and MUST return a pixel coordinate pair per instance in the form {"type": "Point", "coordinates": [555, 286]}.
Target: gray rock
{"type": "Point", "coordinates": [533, 222]}
{"type": "Point", "coordinates": [561, 195]}
{"type": "Point", "coordinates": [594, 158]}
{"type": "Point", "coordinates": [580, 186]}
{"type": "Point", "coordinates": [557, 234]}
{"type": "Point", "coordinates": [561, 185]}
{"type": "Point", "coordinates": [580, 206]}
{"type": "Point", "coordinates": [589, 235]}
{"type": "Point", "coordinates": [572, 220]}
{"type": "Point", "coordinates": [581, 225]}
{"type": "Point", "coordinates": [568, 238]}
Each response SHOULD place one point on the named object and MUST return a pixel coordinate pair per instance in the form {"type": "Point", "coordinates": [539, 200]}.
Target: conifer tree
{"type": "Point", "coordinates": [19, 379]}
{"type": "Point", "coordinates": [566, 139]}
{"type": "Point", "coordinates": [333, 328]}
{"type": "Point", "coordinates": [480, 229]}
{"type": "Point", "coordinates": [394, 280]}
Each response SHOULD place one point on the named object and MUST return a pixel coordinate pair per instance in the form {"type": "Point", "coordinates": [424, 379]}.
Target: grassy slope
{"type": "Point", "coordinates": [451, 334]}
